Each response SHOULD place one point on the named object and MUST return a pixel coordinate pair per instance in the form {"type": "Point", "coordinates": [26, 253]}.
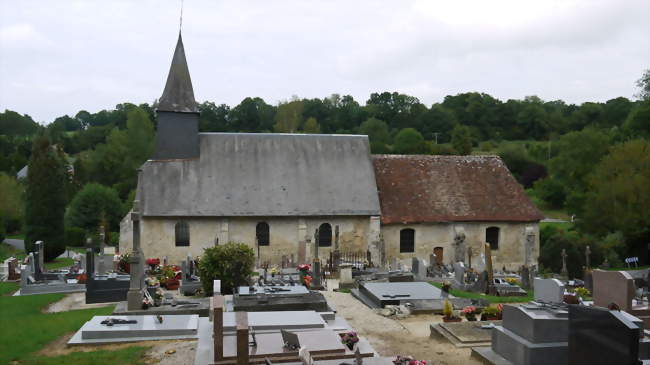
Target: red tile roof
{"type": "Point", "coordinates": [422, 188]}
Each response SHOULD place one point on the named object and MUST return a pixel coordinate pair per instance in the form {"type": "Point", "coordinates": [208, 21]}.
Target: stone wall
{"type": "Point", "coordinates": [512, 238]}
{"type": "Point", "coordinates": [286, 235]}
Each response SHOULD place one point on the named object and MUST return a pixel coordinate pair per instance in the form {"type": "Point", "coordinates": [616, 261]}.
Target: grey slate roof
{"type": "Point", "coordinates": [249, 174]}
{"type": "Point", "coordinates": [178, 95]}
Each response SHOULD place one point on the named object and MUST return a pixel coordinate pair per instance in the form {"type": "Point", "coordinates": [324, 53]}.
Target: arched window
{"type": "Point", "coordinates": [325, 235]}
{"type": "Point", "coordinates": [492, 237]}
{"type": "Point", "coordinates": [182, 234]}
{"type": "Point", "coordinates": [407, 240]}
{"type": "Point", "coordinates": [262, 234]}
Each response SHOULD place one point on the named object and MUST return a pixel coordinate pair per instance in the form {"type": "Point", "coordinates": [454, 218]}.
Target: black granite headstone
{"type": "Point", "coordinates": [598, 336]}
{"type": "Point", "coordinates": [90, 261]}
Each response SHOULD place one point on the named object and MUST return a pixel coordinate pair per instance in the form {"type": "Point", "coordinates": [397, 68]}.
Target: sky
{"type": "Point", "coordinates": [60, 57]}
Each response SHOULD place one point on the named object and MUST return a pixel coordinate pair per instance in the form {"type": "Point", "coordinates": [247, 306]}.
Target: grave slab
{"type": "Point", "coordinates": [274, 321]}
{"type": "Point", "coordinates": [465, 334]}
{"type": "Point", "coordinates": [145, 328]}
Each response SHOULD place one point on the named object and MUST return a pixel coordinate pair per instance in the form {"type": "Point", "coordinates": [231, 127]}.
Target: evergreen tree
{"type": "Point", "coordinates": [45, 198]}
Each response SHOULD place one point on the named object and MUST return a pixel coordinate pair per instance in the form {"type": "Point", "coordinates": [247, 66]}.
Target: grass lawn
{"type": "Point", "coordinates": [26, 329]}
{"type": "Point", "coordinates": [18, 236]}
{"type": "Point", "coordinates": [8, 288]}
{"type": "Point", "coordinates": [490, 298]}
{"type": "Point", "coordinates": [7, 250]}
{"type": "Point", "coordinates": [59, 262]}
{"type": "Point", "coordinates": [128, 356]}
{"type": "Point", "coordinates": [565, 226]}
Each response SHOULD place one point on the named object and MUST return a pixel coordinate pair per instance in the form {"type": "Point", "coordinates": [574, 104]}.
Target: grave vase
{"type": "Point", "coordinates": [452, 319]}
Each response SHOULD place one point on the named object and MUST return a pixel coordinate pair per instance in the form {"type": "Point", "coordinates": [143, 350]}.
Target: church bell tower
{"type": "Point", "coordinates": [177, 113]}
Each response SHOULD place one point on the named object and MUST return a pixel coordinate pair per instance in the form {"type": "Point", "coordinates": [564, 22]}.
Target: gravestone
{"type": "Point", "coordinates": [564, 271]}
{"type": "Point", "coordinates": [491, 290]}
{"type": "Point", "coordinates": [90, 262]}
{"type": "Point", "coordinates": [40, 247]}
{"type": "Point", "coordinates": [588, 278]}
{"type": "Point", "coordinates": [598, 336]}
{"type": "Point", "coordinates": [25, 272]}
{"type": "Point", "coordinates": [417, 268]}
{"type": "Point", "coordinates": [345, 276]}
{"type": "Point", "coordinates": [525, 277]}
{"type": "Point", "coordinates": [134, 295]}
{"type": "Point", "coordinates": [529, 245]}
{"type": "Point", "coordinates": [101, 265]}
{"type": "Point", "coordinates": [549, 290]}
{"type": "Point", "coordinates": [459, 272]}
{"type": "Point", "coordinates": [613, 287]}
{"type": "Point", "coordinates": [37, 265]}
{"type": "Point", "coordinates": [588, 257]}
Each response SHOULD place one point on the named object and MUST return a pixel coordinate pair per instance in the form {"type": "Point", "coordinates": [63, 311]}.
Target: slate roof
{"type": "Point", "coordinates": [178, 95]}
{"type": "Point", "coordinates": [421, 188]}
{"type": "Point", "coordinates": [250, 174]}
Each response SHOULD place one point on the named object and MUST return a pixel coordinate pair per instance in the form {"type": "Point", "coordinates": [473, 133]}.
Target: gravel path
{"type": "Point", "coordinates": [409, 336]}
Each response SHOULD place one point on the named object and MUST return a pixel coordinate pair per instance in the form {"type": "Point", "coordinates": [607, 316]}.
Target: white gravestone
{"type": "Point", "coordinates": [549, 290]}
{"type": "Point", "coordinates": [216, 286]}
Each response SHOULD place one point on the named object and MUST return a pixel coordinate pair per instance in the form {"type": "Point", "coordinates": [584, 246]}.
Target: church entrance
{"type": "Point", "coordinates": [438, 251]}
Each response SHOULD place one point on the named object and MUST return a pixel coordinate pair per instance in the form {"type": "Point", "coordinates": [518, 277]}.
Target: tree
{"type": "Point", "coordinates": [289, 116]}
{"type": "Point", "coordinates": [231, 263]}
{"type": "Point", "coordinates": [461, 140]}
{"type": "Point", "coordinates": [644, 84]}
{"type": "Point", "coordinates": [409, 141]}
{"type": "Point", "coordinates": [92, 205]}
{"type": "Point", "coordinates": [252, 115]}
{"type": "Point", "coordinates": [311, 126]}
{"type": "Point", "coordinates": [437, 121]}
{"type": "Point", "coordinates": [376, 130]}
{"type": "Point", "coordinates": [214, 118]}
{"type": "Point", "coordinates": [637, 124]}
{"type": "Point", "coordinates": [46, 199]}
{"type": "Point", "coordinates": [618, 194]}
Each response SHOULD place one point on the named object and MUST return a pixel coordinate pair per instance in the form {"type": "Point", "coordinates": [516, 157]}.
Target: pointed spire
{"type": "Point", "coordinates": [178, 95]}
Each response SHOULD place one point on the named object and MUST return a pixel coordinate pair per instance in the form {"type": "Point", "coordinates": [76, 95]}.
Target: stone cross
{"type": "Point", "coordinates": [134, 296]}
{"type": "Point", "coordinates": [564, 271]}
{"type": "Point", "coordinates": [316, 243]}
{"type": "Point", "coordinates": [491, 290]}
{"type": "Point", "coordinates": [37, 265]}
{"type": "Point", "coordinates": [102, 239]}
{"type": "Point", "coordinates": [459, 245]}
{"type": "Point", "coordinates": [588, 257]}
{"type": "Point", "coordinates": [529, 245]}
{"type": "Point", "coordinates": [525, 277]}
{"type": "Point", "coordinates": [316, 281]}
{"type": "Point", "coordinates": [41, 251]}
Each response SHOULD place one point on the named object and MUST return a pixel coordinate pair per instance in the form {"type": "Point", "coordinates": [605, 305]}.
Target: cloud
{"type": "Point", "coordinates": [95, 54]}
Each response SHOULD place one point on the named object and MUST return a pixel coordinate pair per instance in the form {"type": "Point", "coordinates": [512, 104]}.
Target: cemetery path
{"type": "Point", "coordinates": [19, 244]}
{"type": "Point", "coordinates": [408, 336]}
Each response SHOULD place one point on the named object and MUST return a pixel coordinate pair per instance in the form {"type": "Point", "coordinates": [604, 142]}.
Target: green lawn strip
{"type": "Point", "coordinates": [128, 356]}
{"type": "Point", "coordinates": [8, 288]}
{"type": "Point", "coordinates": [490, 298]}
{"type": "Point", "coordinates": [31, 329]}
{"type": "Point", "coordinates": [58, 263]}
{"type": "Point", "coordinates": [7, 251]}
{"type": "Point", "coordinates": [19, 236]}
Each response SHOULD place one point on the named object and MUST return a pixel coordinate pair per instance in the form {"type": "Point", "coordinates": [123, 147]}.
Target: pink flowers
{"type": "Point", "coordinates": [470, 309]}
{"type": "Point", "coordinates": [408, 360]}
{"type": "Point", "coordinates": [304, 267]}
{"type": "Point", "coordinates": [349, 339]}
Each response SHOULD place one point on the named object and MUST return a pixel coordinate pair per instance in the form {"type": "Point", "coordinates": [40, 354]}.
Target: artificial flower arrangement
{"type": "Point", "coordinates": [492, 313]}
{"type": "Point", "coordinates": [408, 360]}
{"type": "Point", "coordinates": [124, 264]}
{"type": "Point", "coordinates": [470, 312]}
{"type": "Point", "coordinates": [349, 339]}
{"type": "Point", "coordinates": [153, 263]}
{"type": "Point", "coordinates": [304, 268]}
{"type": "Point", "coordinates": [274, 271]}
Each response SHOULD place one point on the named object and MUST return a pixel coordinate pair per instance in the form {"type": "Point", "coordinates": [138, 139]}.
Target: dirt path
{"type": "Point", "coordinates": [409, 336]}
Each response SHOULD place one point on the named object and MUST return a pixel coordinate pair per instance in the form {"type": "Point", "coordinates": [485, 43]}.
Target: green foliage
{"type": "Point", "coordinates": [637, 124]}
{"type": "Point", "coordinates": [551, 191]}
{"type": "Point", "coordinates": [75, 236]}
{"type": "Point", "coordinates": [46, 199]}
{"type": "Point", "coordinates": [644, 84]}
{"type": "Point", "coordinates": [461, 140]}
{"type": "Point", "coordinates": [33, 329]}
{"type": "Point", "coordinates": [376, 130]}
{"type": "Point", "coordinates": [14, 124]}
{"type": "Point", "coordinates": [619, 194]}
{"type": "Point", "coordinates": [132, 355]}
{"type": "Point", "coordinates": [3, 232]}
{"type": "Point", "coordinates": [92, 204]}
{"type": "Point", "coordinates": [231, 263]}
{"type": "Point", "coordinates": [114, 239]}
{"type": "Point", "coordinates": [11, 202]}
{"type": "Point", "coordinates": [289, 116]}
{"type": "Point", "coordinates": [311, 126]}
{"type": "Point", "coordinates": [447, 309]}
{"type": "Point", "coordinates": [409, 141]}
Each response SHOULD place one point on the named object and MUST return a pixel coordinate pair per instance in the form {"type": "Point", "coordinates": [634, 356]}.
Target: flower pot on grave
{"type": "Point", "coordinates": [172, 284]}
{"type": "Point", "coordinates": [454, 319]}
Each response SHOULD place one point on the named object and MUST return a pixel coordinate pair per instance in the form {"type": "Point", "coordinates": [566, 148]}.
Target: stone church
{"type": "Point", "coordinates": [273, 191]}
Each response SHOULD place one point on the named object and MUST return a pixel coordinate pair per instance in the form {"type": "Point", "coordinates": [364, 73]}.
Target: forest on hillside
{"type": "Point", "coordinates": [589, 161]}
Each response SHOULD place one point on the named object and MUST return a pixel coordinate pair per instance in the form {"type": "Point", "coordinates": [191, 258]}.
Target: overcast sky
{"type": "Point", "coordinates": [59, 57]}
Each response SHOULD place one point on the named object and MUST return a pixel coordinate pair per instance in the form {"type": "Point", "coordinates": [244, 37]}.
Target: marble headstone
{"type": "Point", "coordinates": [459, 272]}
{"type": "Point", "coordinates": [549, 290]}
{"type": "Point", "coordinates": [613, 287]}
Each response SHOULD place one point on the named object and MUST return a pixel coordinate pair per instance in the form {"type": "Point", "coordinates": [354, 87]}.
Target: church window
{"type": "Point", "coordinates": [325, 235]}
{"type": "Point", "coordinates": [262, 234]}
{"type": "Point", "coordinates": [492, 237]}
{"type": "Point", "coordinates": [407, 240]}
{"type": "Point", "coordinates": [182, 234]}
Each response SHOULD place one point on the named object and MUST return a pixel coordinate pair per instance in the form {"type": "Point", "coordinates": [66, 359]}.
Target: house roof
{"type": "Point", "coordinates": [178, 95]}
{"type": "Point", "coordinates": [250, 174]}
{"type": "Point", "coordinates": [420, 188]}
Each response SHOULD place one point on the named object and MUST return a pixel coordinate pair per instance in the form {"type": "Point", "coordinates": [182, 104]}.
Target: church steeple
{"type": "Point", "coordinates": [177, 135]}
{"type": "Point", "coordinates": [178, 95]}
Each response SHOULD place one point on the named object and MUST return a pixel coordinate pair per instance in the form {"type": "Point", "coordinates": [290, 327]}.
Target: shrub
{"type": "Point", "coordinates": [75, 236]}
{"type": "Point", "coordinates": [114, 239]}
{"type": "Point", "coordinates": [2, 229]}
{"type": "Point", "coordinates": [231, 263]}
{"type": "Point", "coordinates": [92, 204]}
